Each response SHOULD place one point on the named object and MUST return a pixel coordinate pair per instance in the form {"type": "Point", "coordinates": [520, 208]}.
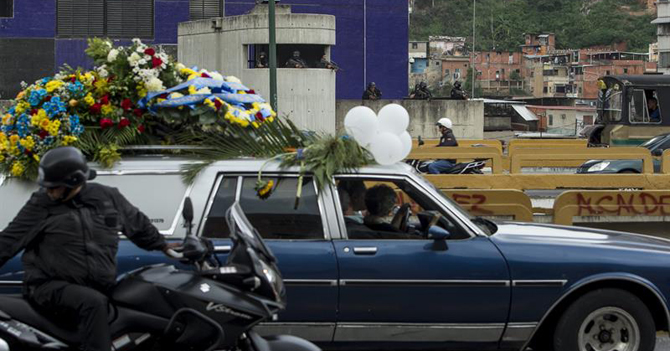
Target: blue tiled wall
{"type": "Point", "coordinates": [372, 36]}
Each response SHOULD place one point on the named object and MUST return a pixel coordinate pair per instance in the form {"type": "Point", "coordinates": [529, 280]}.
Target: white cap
{"type": "Point", "coordinates": [444, 122]}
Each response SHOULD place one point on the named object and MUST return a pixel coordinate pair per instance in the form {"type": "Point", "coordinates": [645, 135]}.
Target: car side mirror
{"type": "Point", "coordinates": [187, 213]}
{"type": "Point", "coordinates": [657, 152]}
{"type": "Point", "coordinates": [438, 233]}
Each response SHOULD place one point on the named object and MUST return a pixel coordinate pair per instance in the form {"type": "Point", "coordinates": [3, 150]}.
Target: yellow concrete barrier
{"type": "Point", "coordinates": [461, 143]}
{"type": "Point", "coordinates": [610, 203]}
{"type": "Point", "coordinates": [551, 181]}
{"type": "Point", "coordinates": [567, 157]}
{"type": "Point", "coordinates": [665, 162]}
{"type": "Point", "coordinates": [541, 142]}
{"type": "Point", "coordinates": [460, 153]}
{"type": "Point", "coordinates": [494, 203]}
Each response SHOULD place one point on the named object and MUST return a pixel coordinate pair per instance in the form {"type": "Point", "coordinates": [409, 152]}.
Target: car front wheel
{"type": "Point", "coordinates": [606, 320]}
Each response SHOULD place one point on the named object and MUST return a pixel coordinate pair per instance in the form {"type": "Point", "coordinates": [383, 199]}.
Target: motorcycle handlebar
{"type": "Point", "coordinates": [174, 254]}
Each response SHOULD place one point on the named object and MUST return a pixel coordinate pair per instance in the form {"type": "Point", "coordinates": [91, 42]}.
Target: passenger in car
{"type": "Point", "coordinates": [380, 200]}
{"type": "Point", "coordinates": [355, 189]}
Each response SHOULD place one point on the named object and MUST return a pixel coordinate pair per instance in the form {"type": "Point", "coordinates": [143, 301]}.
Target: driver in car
{"type": "Point", "coordinates": [70, 231]}
{"type": "Point", "coordinates": [380, 200]}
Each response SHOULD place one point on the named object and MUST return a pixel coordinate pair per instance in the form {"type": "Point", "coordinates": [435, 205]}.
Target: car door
{"type": "Point", "coordinates": [296, 232]}
{"type": "Point", "coordinates": [402, 287]}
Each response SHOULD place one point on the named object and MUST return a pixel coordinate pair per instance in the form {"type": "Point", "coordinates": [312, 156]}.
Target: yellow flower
{"type": "Point", "coordinates": [69, 140]}
{"type": "Point", "coordinates": [13, 140]}
{"type": "Point", "coordinates": [2, 157]}
{"type": "Point", "coordinates": [28, 143]}
{"type": "Point", "coordinates": [194, 75]}
{"type": "Point", "coordinates": [14, 151]}
{"type": "Point", "coordinates": [20, 95]}
{"type": "Point", "coordinates": [141, 90]}
{"type": "Point", "coordinates": [210, 103]}
{"type": "Point", "coordinates": [101, 85]}
{"type": "Point", "coordinates": [37, 119]}
{"type": "Point", "coordinates": [22, 107]}
{"type": "Point", "coordinates": [89, 100]}
{"type": "Point", "coordinates": [44, 123]}
{"type": "Point", "coordinates": [255, 124]}
{"type": "Point", "coordinates": [187, 71]}
{"type": "Point", "coordinates": [192, 90]}
{"type": "Point", "coordinates": [107, 109]}
{"type": "Point", "coordinates": [53, 85]}
{"type": "Point", "coordinates": [54, 127]}
{"type": "Point", "coordinates": [36, 158]}
{"type": "Point", "coordinates": [18, 169]}
{"type": "Point", "coordinates": [73, 103]}
{"type": "Point", "coordinates": [3, 138]}
{"type": "Point", "coordinates": [7, 119]}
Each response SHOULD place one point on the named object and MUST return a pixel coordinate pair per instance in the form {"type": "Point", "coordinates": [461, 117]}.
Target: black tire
{"type": "Point", "coordinates": [567, 333]}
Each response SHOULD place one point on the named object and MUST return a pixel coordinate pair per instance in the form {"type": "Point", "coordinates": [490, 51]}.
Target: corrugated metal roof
{"type": "Point", "coordinates": [525, 113]}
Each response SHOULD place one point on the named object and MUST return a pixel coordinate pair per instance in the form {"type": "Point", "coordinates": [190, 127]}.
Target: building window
{"type": "Point", "coordinates": [607, 73]}
{"type": "Point", "coordinates": [625, 71]}
{"type": "Point", "coordinates": [664, 59]}
{"type": "Point", "coordinates": [203, 9]}
{"type": "Point", "coordinates": [437, 63]}
{"type": "Point", "coordinates": [414, 45]}
{"type": "Point", "coordinates": [551, 120]}
{"type": "Point", "coordinates": [6, 8]}
{"type": "Point", "coordinates": [105, 18]}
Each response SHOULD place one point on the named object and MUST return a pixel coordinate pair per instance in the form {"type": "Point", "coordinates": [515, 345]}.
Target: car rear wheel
{"type": "Point", "coordinates": [606, 320]}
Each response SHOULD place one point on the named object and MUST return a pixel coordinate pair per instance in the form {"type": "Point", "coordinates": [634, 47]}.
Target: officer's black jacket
{"type": "Point", "coordinates": [76, 241]}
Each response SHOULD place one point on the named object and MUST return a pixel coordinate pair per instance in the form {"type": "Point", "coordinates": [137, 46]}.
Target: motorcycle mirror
{"type": "Point", "coordinates": [420, 141]}
{"type": "Point", "coordinates": [187, 210]}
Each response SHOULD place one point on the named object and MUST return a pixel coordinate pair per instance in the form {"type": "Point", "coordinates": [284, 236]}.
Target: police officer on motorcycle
{"type": "Point", "coordinates": [70, 230]}
{"type": "Point", "coordinates": [447, 139]}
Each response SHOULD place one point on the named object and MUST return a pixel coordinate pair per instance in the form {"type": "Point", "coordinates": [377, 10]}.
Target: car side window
{"type": "Point", "coordinates": [389, 210]}
{"type": "Point", "coordinates": [283, 215]}
{"type": "Point", "coordinates": [215, 222]}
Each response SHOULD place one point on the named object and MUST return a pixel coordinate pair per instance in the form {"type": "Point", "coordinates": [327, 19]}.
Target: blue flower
{"type": "Point", "coordinates": [76, 128]}
{"type": "Point", "coordinates": [54, 107]}
{"type": "Point", "coordinates": [23, 125]}
{"type": "Point", "coordinates": [46, 80]}
{"type": "Point", "coordinates": [76, 89]}
{"type": "Point", "coordinates": [36, 96]}
{"type": "Point", "coordinates": [7, 129]}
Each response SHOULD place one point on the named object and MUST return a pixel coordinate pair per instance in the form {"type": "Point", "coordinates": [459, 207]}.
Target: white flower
{"type": "Point", "coordinates": [141, 48]}
{"type": "Point", "coordinates": [179, 66]}
{"type": "Point", "coordinates": [108, 43]}
{"type": "Point", "coordinates": [147, 57]}
{"type": "Point", "coordinates": [154, 84]}
{"type": "Point", "coordinates": [103, 73]}
{"type": "Point", "coordinates": [206, 91]}
{"type": "Point", "coordinates": [136, 70]}
{"type": "Point", "coordinates": [143, 62]}
{"type": "Point", "coordinates": [134, 59]}
{"type": "Point", "coordinates": [232, 79]}
{"type": "Point", "coordinates": [137, 41]}
{"type": "Point", "coordinates": [137, 78]}
{"type": "Point", "coordinates": [112, 55]}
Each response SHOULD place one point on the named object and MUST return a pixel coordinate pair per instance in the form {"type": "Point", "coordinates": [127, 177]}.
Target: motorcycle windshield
{"type": "Point", "coordinates": [262, 260]}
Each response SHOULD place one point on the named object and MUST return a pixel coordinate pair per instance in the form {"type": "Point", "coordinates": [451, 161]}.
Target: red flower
{"type": "Point", "coordinates": [126, 104]}
{"type": "Point", "coordinates": [104, 100]}
{"type": "Point", "coordinates": [251, 91]}
{"type": "Point", "coordinates": [43, 134]}
{"type": "Point", "coordinates": [138, 112]}
{"type": "Point", "coordinates": [33, 112]}
{"type": "Point", "coordinates": [140, 128]}
{"type": "Point", "coordinates": [259, 116]}
{"type": "Point", "coordinates": [205, 75]}
{"type": "Point", "coordinates": [106, 123]}
{"type": "Point", "coordinates": [73, 79]}
{"type": "Point", "coordinates": [48, 98]}
{"type": "Point", "coordinates": [155, 62]}
{"type": "Point", "coordinates": [150, 51]}
{"type": "Point", "coordinates": [124, 122]}
{"type": "Point", "coordinates": [217, 103]}
{"type": "Point", "coordinates": [95, 109]}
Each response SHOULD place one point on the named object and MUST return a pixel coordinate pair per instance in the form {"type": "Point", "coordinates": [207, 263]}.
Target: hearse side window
{"type": "Point", "coordinates": [370, 208]}
{"type": "Point", "coordinates": [278, 217]}
{"type": "Point", "coordinates": [215, 223]}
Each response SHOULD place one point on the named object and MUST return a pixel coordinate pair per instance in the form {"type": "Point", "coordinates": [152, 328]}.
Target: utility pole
{"type": "Point", "coordinates": [273, 55]}
{"type": "Point", "coordinates": [474, 50]}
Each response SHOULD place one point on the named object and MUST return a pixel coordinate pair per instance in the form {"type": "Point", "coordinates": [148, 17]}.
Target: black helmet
{"type": "Point", "coordinates": [457, 84]}
{"type": "Point", "coordinates": [64, 166]}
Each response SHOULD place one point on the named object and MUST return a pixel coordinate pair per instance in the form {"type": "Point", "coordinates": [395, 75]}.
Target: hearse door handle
{"type": "Point", "coordinates": [222, 249]}
{"type": "Point", "coordinates": [365, 251]}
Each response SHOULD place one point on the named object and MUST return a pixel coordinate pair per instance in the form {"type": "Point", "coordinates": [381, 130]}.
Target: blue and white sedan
{"type": "Point", "coordinates": [381, 259]}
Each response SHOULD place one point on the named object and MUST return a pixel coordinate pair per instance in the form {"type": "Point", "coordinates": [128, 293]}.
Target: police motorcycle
{"type": "Point", "coordinates": [160, 307]}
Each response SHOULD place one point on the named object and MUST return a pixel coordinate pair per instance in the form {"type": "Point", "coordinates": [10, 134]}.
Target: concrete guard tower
{"type": "Point", "coordinates": [233, 46]}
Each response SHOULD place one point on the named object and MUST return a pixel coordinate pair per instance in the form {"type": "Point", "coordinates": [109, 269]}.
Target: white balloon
{"type": "Point", "coordinates": [406, 141]}
{"type": "Point", "coordinates": [386, 148]}
{"type": "Point", "coordinates": [393, 118]}
{"type": "Point", "coordinates": [361, 123]}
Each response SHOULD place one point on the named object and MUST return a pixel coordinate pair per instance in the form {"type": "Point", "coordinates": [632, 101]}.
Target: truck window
{"type": "Point", "coordinates": [644, 107]}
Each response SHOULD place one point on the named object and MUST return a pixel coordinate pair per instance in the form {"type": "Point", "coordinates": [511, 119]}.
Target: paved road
{"type": "Point", "coordinates": [663, 344]}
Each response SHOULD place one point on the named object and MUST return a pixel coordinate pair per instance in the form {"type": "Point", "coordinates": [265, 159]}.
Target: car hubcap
{"type": "Point", "coordinates": [609, 329]}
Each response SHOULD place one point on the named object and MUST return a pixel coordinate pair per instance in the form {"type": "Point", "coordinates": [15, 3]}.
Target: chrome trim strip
{"type": "Point", "coordinates": [539, 283]}
{"type": "Point", "coordinates": [483, 283]}
{"type": "Point", "coordinates": [420, 332]}
{"type": "Point", "coordinates": [322, 210]}
{"type": "Point", "coordinates": [222, 249]}
{"type": "Point", "coordinates": [139, 172]}
{"type": "Point", "coordinates": [594, 280]}
{"type": "Point", "coordinates": [313, 331]}
{"type": "Point", "coordinates": [12, 283]}
{"type": "Point", "coordinates": [210, 202]}
{"type": "Point", "coordinates": [311, 282]}
{"type": "Point", "coordinates": [518, 332]}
